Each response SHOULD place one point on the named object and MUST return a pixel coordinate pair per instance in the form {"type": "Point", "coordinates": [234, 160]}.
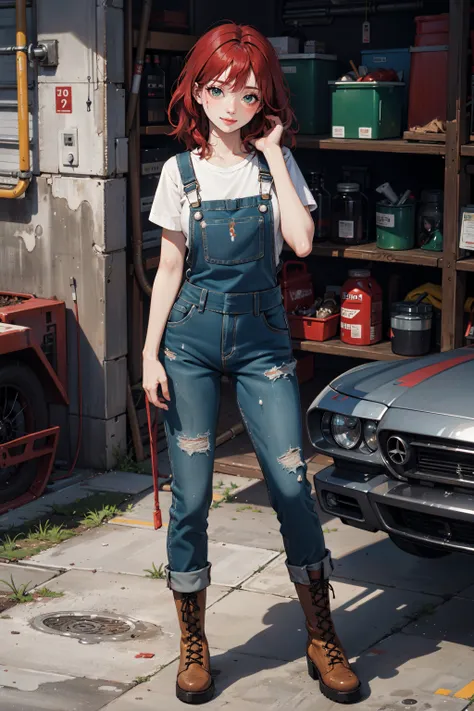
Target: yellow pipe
{"type": "Point", "coordinates": [23, 117]}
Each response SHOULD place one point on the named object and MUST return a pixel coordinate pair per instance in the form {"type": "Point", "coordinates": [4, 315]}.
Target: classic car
{"type": "Point", "coordinates": [401, 436]}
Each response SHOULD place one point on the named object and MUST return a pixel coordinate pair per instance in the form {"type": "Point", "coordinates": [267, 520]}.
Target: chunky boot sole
{"type": "Point", "coordinates": [341, 697]}
{"type": "Point", "coordinates": [195, 697]}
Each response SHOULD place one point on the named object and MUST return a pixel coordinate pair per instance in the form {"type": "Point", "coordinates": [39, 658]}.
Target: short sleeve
{"type": "Point", "coordinates": [166, 208]}
{"type": "Point", "coordinates": [298, 180]}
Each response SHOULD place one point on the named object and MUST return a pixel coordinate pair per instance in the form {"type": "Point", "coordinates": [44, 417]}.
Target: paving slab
{"type": "Point", "coordinates": [124, 482]}
{"type": "Point", "coordinates": [23, 689]}
{"type": "Point", "coordinates": [453, 622]}
{"type": "Point", "coordinates": [24, 574]}
{"type": "Point", "coordinates": [243, 683]}
{"type": "Point", "coordinates": [379, 561]}
{"type": "Point", "coordinates": [141, 599]}
{"type": "Point", "coordinates": [273, 627]}
{"type": "Point", "coordinates": [131, 550]}
{"type": "Point", "coordinates": [42, 506]}
{"type": "Point", "coordinates": [401, 667]}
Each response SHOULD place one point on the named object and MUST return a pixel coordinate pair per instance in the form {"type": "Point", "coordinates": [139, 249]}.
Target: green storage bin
{"type": "Point", "coordinates": [308, 77]}
{"type": "Point", "coordinates": [369, 110]}
{"type": "Point", "coordinates": [395, 226]}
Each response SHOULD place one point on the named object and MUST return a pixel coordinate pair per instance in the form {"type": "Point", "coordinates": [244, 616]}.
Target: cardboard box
{"type": "Point", "coordinates": [285, 45]}
{"type": "Point", "coordinates": [466, 239]}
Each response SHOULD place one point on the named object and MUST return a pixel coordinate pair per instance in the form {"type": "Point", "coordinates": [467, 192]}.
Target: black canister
{"type": "Point", "coordinates": [349, 215]}
{"type": "Point", "coordinates": [411, 328]}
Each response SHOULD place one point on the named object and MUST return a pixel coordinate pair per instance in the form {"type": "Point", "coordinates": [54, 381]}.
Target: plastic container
{"type": "Point", "coordinates": [428, 85]}
{"type": "Point", "coordinates": [411, 328]}
{"type": "Point", "coordinates": [349, 215]}
{"type": "Point", "coordinates": [361, 309]}
{"type": "Point", "coordinates": [369, 110]}
{"type": "Point", "coordinates": [397, 59]}
{"type": "Point", "coordinates": [307, 328]}
{"type": "Point", "coordinates": [395, 226]}
{"type": "Point", "coordinates": [430, 220]}
{"type": "Point", "coordinates": [322, 214]}
{"type": "Point", "coordinates": [297, 285]}
{"type": "Point", "coordinates": [432, 30]}
{"type": "Point", "coordinates": [307, 76]}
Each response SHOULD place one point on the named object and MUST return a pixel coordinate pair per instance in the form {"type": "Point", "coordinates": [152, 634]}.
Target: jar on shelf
{"type": "Point", "coordinates": [322, 214]}
{"type": "Point", "coordinates": [350, 208]}
{"type": "Point", "coordinates": [430, 220]}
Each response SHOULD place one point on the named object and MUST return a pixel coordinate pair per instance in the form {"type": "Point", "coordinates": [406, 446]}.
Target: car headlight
{"type": "Point", "coordinates": [346, 431]}
{"type": "Point", "coordinates": [370, 435]}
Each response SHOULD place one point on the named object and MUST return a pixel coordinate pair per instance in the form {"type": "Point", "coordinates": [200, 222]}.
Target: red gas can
{"type": "Point", "coordinates": [296, 285]}
{"type": "Point", "coordinates": [361, 309]}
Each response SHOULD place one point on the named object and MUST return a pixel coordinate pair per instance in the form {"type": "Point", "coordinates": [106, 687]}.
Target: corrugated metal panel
{"type": "Point", "coordinates": [8, 113]}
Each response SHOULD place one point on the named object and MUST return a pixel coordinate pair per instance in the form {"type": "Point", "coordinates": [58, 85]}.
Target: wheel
{"type": "Point", "coordinates": [419, 549]}
{"type": "Point", "coordinates": [23, 410]}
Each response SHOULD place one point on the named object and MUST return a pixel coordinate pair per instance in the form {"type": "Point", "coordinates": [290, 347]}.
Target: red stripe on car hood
{"type": "Point", "coordinates": [418, 376]}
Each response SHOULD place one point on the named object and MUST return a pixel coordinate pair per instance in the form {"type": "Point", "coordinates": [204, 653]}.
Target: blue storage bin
{"type": "Point", "coordinates": [397, 59]}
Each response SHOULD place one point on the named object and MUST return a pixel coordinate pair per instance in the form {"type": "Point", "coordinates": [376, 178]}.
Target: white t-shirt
{"type": "Point", "coordinates": [170, 207]}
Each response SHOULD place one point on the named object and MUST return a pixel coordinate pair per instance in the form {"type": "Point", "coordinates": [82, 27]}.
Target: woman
{"type": "Point", "coordinates": [226, 205]}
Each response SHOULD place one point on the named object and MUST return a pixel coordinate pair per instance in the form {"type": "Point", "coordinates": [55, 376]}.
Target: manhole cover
{"type": "Point", "coordinates": [93, 627]}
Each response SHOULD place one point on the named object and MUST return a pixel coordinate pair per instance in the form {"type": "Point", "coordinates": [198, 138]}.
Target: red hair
{"type": "Point", "coordinates": [242, 48]}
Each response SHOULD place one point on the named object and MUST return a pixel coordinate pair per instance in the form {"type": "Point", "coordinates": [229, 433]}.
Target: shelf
{"type": "Point", "coordinates": [372, 253]}
{"type": "Point", "coordinates": [155, 130]}
{"type": "Point", "coordinates": [388, 146]}
{"type": "Point", "coordinates": [468, 150]}
{"type": "Point", "coordinates": [465, 265]}
{"type": "Point", "coordinates": [380, 351]}
{"type": "Point", "coordinates": [170, 41]}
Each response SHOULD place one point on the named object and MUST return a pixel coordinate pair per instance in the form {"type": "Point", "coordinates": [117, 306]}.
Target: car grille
{"type": "Point", "coordinates": [446, 464]}
{"type": "Point", "coordinates": [429, 459]}
{"type": "Point", "coordinates": [438, 528]}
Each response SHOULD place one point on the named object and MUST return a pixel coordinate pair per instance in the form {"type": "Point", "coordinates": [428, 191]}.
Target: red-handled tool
{"type": "Point", "coordinates": [153, 432]}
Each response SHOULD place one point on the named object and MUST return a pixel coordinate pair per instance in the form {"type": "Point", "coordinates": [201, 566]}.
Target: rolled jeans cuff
{"type": "Point", "coordinates": [300, 574]}
{"type": "Point", "coordinates": [191, 582]}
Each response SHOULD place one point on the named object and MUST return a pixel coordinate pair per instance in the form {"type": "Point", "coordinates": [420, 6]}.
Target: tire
{"type": "Point", "coordinates": [23, 410]}
{"type": "Point", "coordinates": [421, 550]}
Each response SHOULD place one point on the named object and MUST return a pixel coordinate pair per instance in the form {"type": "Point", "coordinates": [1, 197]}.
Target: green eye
{"type": "Point", "coordinates": [214, 91]}
{"type": "Point", "coordinates": [250, 98]}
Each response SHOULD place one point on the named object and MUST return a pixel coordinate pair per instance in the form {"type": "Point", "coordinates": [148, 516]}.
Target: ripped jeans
{"type": "Point", "coordinates": [246, 337]}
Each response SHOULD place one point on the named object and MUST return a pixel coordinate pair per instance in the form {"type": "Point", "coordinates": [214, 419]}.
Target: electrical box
{"type": "Point", "coordinates": [68, 148]}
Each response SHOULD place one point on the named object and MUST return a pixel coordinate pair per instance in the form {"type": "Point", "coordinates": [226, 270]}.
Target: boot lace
{"type": "Point", "coordinates": [190, 616]}
{"type": "Point", "coordinates": [319, 590]}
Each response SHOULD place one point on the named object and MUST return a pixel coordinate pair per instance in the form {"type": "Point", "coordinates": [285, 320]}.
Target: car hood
{"type": "Point", "coordinates": [439, 383]}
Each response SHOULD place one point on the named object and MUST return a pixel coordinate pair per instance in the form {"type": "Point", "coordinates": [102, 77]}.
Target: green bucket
{"type": "Point", "coordinates": [395, 226]}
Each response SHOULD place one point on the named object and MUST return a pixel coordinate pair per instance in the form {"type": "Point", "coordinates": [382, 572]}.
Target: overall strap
{"type": "Point", "coordinates": [188, 177]}
{"type": "Point", "coordinates": [264, 176]}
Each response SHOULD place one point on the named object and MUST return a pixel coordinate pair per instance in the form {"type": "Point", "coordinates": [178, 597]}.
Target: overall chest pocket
{"type": "Point", "coordinates": [233, 240]}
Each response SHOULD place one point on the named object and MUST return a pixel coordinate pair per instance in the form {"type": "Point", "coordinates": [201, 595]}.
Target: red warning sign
{"type": "Point", "coordinates": [63, 100]}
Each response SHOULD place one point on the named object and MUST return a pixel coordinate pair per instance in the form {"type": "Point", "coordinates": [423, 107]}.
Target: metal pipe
{"type": "Point", "coordinates": [23, 117]}
{"type": "Point", "coordinates": [139, 60]}
{"type": "Point", "coordinates": [13, 49]}
{"type": "Point", "coordinates": [134, 148]}
{"type": "Point", "coordinates": [11, 4]}
{"type": "Point", "coordinates": [372, 9]}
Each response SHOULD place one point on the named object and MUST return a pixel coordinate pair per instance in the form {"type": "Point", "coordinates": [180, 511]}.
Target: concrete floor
{"type": "Point", "coordinates": [407, 623]}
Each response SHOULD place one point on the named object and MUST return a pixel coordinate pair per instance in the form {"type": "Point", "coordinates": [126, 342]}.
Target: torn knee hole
{"type": "Point", "coordinates": [170, 354]}
{"type": "Point", "coordinates": [281, 371]}
{"type": "Point", "coordinates": [194, 445]}
{"type": "Point", "coordinates": [291, 460]}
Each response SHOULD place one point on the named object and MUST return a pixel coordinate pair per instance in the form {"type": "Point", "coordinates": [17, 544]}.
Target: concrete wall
{"type": "Point", "coordinates": [72, 221]}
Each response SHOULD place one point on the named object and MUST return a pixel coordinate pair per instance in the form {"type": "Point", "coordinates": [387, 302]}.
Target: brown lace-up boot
{"type": "Point", "coordinates": [326, 659]}
{"type": "Point", "coordinates": [194, 684]}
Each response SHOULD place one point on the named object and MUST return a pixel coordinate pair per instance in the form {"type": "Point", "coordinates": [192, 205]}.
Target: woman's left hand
{"type": "Point", "coordinates": [271, 137]}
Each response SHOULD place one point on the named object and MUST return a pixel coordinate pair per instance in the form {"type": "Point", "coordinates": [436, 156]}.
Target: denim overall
{"type": "Point", "coordinates": [229, 319]}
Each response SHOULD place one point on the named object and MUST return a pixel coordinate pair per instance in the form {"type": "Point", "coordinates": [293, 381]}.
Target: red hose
{"type": "Point", "coordinates": [79, 385]}
{"type": "Point", "coordinates": [153, 432]}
